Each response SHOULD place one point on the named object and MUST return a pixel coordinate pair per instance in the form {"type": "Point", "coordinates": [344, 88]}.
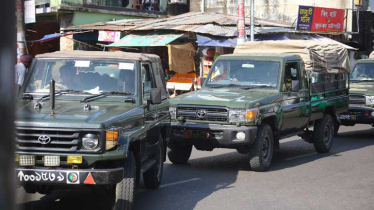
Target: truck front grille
{"type": "Point", "coordinates": [357, 99]}
{"type": "Point", "coordinates": [29, 139]}
{"type": "Point", "coordinates": [218, 114]}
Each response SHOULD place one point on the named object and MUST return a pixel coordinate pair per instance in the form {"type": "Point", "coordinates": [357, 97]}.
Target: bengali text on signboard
{"type": "Point", "coordinates": [320, 19]}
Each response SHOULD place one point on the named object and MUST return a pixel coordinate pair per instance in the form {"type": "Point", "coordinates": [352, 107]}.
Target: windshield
{"type": "Point", "coordinates": [244, 73]}
{"type": "Point", "coordinates": [363, 72]}
{"type": "Point", "coordinates": [90, 76]}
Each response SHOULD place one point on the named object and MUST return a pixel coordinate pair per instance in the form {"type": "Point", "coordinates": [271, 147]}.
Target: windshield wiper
{"type": "Point", "coordinates": [94, 97]}
{"type": "Point", "coordinates": [61, 92]}
{"type": "Point", "coordinates": [226, 85]}
{"type": "Point", "coordinates": [255, 86]}
{"type": "Point", "coordinates": [119, 93]}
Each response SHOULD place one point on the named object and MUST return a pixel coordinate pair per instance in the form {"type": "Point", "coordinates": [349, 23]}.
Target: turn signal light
{"type": "Point", "coordinates": [17, 158]}
{"type": "Point", "coordinates": [250, 115]}
{"type": "Point", "coordinates": [111, 139]}
{"type": "Point", "coordinates": [75, 159]}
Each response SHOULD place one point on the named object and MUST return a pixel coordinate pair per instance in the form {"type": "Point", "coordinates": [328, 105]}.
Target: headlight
{"type": "Point", "coordinates": [90, 141]}
{"type": "Point", "coordinates": [369, 100]}
{"type": "Point", "coordinates": [111, 139]}
{"type": "Point", "coordinates": [173, 112]}
{"type": "Point", "coordinates": [242, 115]}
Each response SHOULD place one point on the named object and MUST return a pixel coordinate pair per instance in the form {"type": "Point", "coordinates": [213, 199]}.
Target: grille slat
{"type": "Point", "coordinates": [217, 114]}
{"type": "Point", "coordinates": [61, 140]}
{"type": "Point", "coordinates": [357, 99]}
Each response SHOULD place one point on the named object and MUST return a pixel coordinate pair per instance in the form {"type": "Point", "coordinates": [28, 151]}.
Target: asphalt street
{"type": "Point", "coordinates": [299, 179]}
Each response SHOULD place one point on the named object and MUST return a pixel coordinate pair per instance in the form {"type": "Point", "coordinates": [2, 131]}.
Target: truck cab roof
{"type": "Point", "coordinates": [369, 60]}
{"type": "Point", "coordinates": [258, 56]}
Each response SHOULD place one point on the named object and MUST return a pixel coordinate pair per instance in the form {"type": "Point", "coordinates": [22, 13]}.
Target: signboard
{"type": "Point", "coordinates": [241, 20]}
{"type": "Point", "coordinates": [320, 19]}
{"type": "Point", "coordinates": [30, 11]}
{"type": "Point", "coordinates": [109, 36]}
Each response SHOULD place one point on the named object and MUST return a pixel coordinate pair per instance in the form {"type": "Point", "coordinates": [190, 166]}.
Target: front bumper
{"type": "Point", "coordinates": [69, 176]}
{"type": "Point", "coordinates": [218, 135]}
{"type": "Point", "coordinates": [357, 115]}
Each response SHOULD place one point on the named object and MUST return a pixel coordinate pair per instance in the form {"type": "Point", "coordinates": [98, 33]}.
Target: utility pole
{"type": "Point", "coordinates": [241, 23]}
{"type": "Point", "coordinates": [21, 47]}
{"type": "Point", "coordinates": [7, 106]}
{"type": "Point", "coordinates": [252, 20]}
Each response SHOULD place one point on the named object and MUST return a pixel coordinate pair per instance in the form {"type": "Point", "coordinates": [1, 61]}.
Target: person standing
{"type": "Point", "coordinates": [21, 69]}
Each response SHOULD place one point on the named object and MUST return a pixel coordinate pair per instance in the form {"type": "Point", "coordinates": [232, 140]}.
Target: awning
{"type": "Point", "coordinates": [50, 37]}
{"type": "Point", "coordinates": [133, 40]}
{"type": "Point", "coordinates": [204, 41]}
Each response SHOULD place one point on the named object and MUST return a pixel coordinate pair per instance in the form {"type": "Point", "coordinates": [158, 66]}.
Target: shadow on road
{"type": "Point", "coordinates": [92, 199]}
{"type": "Point", "coordinates": [345, 141]}
{"type": "Point", "coordinates": [210, 174]}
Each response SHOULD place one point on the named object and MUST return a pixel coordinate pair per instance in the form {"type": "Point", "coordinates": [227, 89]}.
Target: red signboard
{"type": "Point", "coordinates": [320, 19]}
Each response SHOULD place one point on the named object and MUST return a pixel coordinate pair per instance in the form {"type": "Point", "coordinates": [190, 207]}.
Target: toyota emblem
{"type": "Point", "coordinates": [201, 113]}
{"type": "Point", "coordinates": [44, 139]}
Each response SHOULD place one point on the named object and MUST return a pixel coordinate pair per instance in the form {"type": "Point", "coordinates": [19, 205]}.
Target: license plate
{"type": "Point", "coordinates": [347, 117]}
{"type": "Point", "coordinates": [41, 176]}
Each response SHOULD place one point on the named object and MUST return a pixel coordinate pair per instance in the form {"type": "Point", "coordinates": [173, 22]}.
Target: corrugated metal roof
{"type": "Point", "coordinates": [198, 22]}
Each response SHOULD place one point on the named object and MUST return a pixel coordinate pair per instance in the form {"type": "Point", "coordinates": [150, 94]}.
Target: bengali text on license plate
{"type": "Point", "coordinates": [347, 117]}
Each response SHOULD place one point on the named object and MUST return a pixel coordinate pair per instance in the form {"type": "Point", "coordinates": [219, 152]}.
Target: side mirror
{"type": "Point", "coordinates": [295, 86]}
{"type": "Point", "coordinates": [155, 96]}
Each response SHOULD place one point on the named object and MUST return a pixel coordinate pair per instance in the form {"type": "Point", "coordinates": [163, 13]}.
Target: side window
{"type": "Point", "coordinates": [291, 74]}
{"type": "Point", "coordinates": [147, 78]}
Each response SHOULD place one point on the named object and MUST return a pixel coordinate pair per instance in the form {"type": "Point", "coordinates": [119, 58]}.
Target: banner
{"type": "Point", "coordinates": [109, 36]}
{"type": "Point", "coordinates": [320, 19]}
{"type": "Point", "coordinates": [30, 11]}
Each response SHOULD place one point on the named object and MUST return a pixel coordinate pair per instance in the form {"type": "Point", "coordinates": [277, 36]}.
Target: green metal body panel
{"type": "Point", "coordinates": [291, 111]}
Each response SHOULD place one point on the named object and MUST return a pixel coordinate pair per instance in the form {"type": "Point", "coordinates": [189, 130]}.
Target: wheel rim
{"type": "Point", "coordinates": [327, 134]}
{"type": "Point", "coordinates": [265, 148]}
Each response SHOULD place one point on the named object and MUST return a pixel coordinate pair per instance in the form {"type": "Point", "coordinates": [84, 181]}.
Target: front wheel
{"type": "Point", "coordinates": [323, 134]}
{"type": "Point", "coordinates": [179, 153]}
{"type": "Point", "coordinates": [152, 177]}
{"type": "Point", "coordinates": [124, 191]}
{"type": "Point", "coordinates": [261, 152]}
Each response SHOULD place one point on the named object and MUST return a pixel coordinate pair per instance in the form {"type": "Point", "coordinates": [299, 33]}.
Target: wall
{"type": "Point", "coordinates": [283, 10]}
{"type": "Point", "coordinates": [81, 18]}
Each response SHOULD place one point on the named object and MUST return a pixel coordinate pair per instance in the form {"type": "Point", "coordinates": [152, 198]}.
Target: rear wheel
{"type": "Point", "coordinates": [323, 134]}
{"type": "Point", "coordinates": [261, 152]}
{"type": "Point", "coordinates": [124, 191]}
{"type": "Point", "coordinates": [153, 177]}
{"type": "Point", "coordinates": [179, 153]}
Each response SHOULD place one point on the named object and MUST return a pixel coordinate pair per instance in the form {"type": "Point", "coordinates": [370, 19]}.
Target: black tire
{"type": "Point", "coordinates": [323, 134]}
{"type": "Point", "coordinates": [153, 177]}
{"type": "Point", "coordinates": [336, 128]}
{"type": "Point", "coordinates": [179, 153]}
{"type": "Point", "coordinates": [261, 151]}
{"type": "Point", "coordinates": [124, 191]}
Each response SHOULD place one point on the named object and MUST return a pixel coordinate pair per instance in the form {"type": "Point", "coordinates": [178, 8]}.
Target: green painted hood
{"type": "Point", "coordinates": [365, 88]}
{"type": "Point", "coordinates": [228, 97]}
{"type": "Point", "coordinates": [70, 114]}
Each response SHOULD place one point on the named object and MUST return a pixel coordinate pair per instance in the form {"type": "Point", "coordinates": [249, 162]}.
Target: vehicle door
{"type": "Point", "coordinates": [150, 110]}
{"type": "Point", "coordinates": [295, 94]}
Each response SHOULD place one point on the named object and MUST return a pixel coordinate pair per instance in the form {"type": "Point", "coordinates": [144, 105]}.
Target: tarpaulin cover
{"type": "Point", "coordinates": [204, 41]}
{"type": "Point", "coordinates": [133, 40]}
{"type": "Point", "coordinates": [181, 58]}
{"type": "Point", "coordinates": [47, 38]}
{"type": "Point", "coordinates": [318, 56]}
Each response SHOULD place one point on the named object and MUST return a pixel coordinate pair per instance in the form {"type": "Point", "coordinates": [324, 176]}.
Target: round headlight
{"type": "Point", "coordinates": [90, 141]}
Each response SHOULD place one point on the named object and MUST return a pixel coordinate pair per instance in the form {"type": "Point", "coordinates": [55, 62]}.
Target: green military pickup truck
{"type": "Point", "coordinates": [92, 119]}
{"type": "Point", "coordinates": [361, 95]}
{"type": "Point", "coordinates": [250, 101]}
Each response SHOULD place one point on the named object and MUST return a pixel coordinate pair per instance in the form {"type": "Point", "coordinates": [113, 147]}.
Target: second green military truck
{"type": "Point", "coordinates": [264, 92]}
